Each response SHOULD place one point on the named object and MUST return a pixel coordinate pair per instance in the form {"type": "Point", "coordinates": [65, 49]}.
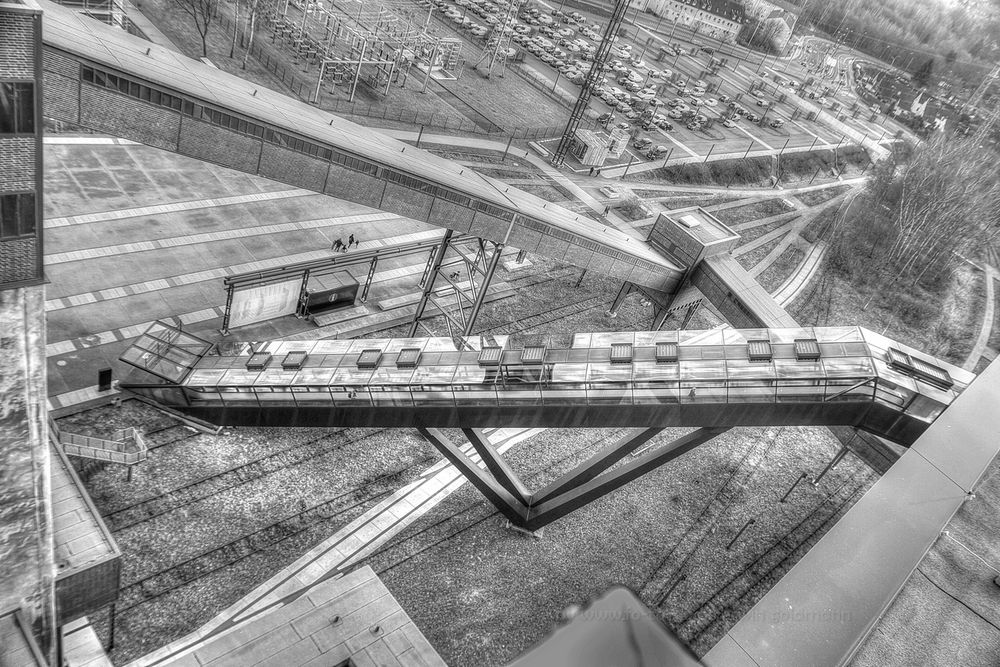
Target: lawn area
{"type": "Point", "coordinates": [762, 209]}
{"type": "Point", "coordinates": [775, 275]}
{"type": "Point", "coordinates": [750, 259]}
{"type": "Point", "coordinates": [814, 197]}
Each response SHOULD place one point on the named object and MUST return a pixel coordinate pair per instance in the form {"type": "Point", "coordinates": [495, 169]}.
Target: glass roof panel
{"type": "Point", "coordinates": [848, 367]}
{"type": "Point", "coordinates": [709, 337]}
{"type": "Point", "coordinates": [390, 374]}
{"type": "Point", "coordinates": [569, 373]}
{"type": "Point", "coordinates": [651, 338]}
{"type": "Point", "coordinates": [239, 377]}
{"type": "Point", "coordinates": [790, 368]}
{"type": "Point", "coordinates": [351, 375]}
{"type": "Point", "coordinates": [741, 370]}
{"type": "Point", "coordinates": [654, 372]}
{"type": "Point", "coordinates": [275, 376]}
{"type": "Point", "coordinates": [205, 377]}
{"type": "Point", "coordinates": [469, 375]}
{"type": "Point", "coordinates": [789, 335]}
{"type": "Point", "coordinates": [703, 370]}
{"type": "Point", "coordinates": [434, 374]}
{"type": "Point", "coordinates": [609, 372]}
{"type": "Point", "coordinates": [838, 334]}
{"type": "Point", "coordinates": [313, 376]}
{"type": "Point", "coordinates": [886, 371]}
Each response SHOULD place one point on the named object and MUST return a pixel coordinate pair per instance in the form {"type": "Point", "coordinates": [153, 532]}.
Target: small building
{"type": "Point", "coordinates": [590, 148]}
{"type": "Point", "coordinates": [718, 19]}
{"type": "Point", "coordinates": [689, 235]}
{"type": "Point", "coordinates": [618, 142]}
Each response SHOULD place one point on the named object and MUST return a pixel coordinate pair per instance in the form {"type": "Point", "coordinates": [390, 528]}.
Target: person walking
{"type": "Point", "coordinates": [350, 241]}
{"type": "Point", "coordinates": [337, 245]}
{"type": "Point", "coordinates": [591, 171]}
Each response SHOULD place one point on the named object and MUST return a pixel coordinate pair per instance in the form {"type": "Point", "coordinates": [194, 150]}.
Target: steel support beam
{"type": "Point", "coordinates": [502, 472]}
{"type": "Point", "coordinates": [368, 280]}
{"type": "Point", "coordinates": [499, 497]}
{"type": "Point", "coordinates": [428, 286]}
{"type": "Point", "coordinates": [558, 507]}
{"type": "Point", "coordinates": [625, 290]}
{"type": "Point", "coordinates": [483, 288]}
{"type": "Point", "coordinates": [596, 464]}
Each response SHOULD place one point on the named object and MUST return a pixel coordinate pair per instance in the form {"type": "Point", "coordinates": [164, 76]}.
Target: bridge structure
{"type": "Point", "coordinates": [713, 380]}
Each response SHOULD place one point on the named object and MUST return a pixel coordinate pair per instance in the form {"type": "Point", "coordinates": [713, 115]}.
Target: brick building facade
{"type": "Point", "coordinates": [718, 19]}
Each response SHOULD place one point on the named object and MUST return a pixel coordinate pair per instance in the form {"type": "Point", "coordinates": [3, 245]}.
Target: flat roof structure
{"type": "Point", "coordinates": [260, 131]}
{"type": "Point", "coordinates": [353, 619]}
{"type": "Point", "coordinates": [88, 561]}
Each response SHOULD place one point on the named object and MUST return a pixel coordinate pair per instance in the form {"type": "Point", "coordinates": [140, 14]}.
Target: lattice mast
{"type": "Point", "coordinates": [593, 76]}
{"type": "Point", "coordinates": [989, 115]}
{"type": "Point", "coordinates": [498, 43]}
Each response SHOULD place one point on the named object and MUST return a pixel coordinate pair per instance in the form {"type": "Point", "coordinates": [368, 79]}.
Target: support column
{"type": "Point", "coordinates": [481, 296]}
{"type": "Point", "coordinates": [622, 293]}
{"type": "Point", "coordinates": [368, 280]}
{"type": "Point", "coordinates": [431, 272]}
{"type": "Point", "coordinates": [513, 509]}
{"type": "Point", "coordinates": [561, 505]}
{"type": "Point", "coordinates": [502, 472]}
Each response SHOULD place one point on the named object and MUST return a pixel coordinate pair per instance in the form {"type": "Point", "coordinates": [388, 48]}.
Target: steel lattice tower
{"type": "Point", "coordinates": [596, 72]}
{"type": "Point", "coordinates": [499, 40]}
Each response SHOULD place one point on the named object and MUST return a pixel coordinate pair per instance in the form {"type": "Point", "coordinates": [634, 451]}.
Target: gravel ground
{"type": "Point", "coordinates": [755, 211]}
{"type": "Point", "coordinates": [773, 276]}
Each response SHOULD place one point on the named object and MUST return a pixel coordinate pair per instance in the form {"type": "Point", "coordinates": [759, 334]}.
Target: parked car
{"type": "Point", "coordinates": [657, 152]}
{"type": "Point", "coordinates": [642, 143]}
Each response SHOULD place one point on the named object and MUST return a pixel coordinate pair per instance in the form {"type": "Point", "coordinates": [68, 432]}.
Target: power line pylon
{"type": "Point", "coordinates": [498, 42]}
{"type": "Point", "coordinates": [593, 76]}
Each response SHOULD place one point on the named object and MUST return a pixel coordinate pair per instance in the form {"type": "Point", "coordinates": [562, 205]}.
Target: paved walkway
{"type": "Point", "coordinates": [990, 274]}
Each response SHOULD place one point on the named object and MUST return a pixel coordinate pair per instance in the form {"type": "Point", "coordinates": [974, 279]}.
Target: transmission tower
{"type": "Point", "coordinates": [498, 42]}
{"type": "Point", "coordinates": [988, 115]}
{"type": "Point", "coordinates": [593, 76]}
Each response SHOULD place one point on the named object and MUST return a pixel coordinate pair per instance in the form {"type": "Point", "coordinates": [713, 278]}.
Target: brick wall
{"type": "Point", "coordinates": [448, 214]}
{"type": "Point", "coordinates": [61, 87]}
{"type": "Point", "coordinates": [489, 227]}
{"type": "Point", "coordinates": [214, 144]}
{"type": "Point", "coordinates": [17, 164]}
{"type": "Point", "coordinates": [406, 202]}
{"type": "Point", "coordinates": [355, 187]}
{"type": "Point", "coordinates": [16, 31]}
{"type": "Point", "coordinates": [129, 118]}
{"type": "Point", "coordinates": [293, 168]}
{"type": "Point", "coordinates": [17, 259]}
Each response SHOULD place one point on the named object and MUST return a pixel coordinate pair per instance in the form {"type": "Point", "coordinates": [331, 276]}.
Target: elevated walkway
{"type": "Point", "coordinates": [716, 379]}
{"type": "Point", "coordinates": [104, 79]}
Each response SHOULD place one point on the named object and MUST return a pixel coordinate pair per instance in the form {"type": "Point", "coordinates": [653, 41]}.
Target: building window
{"type": "Point", "coordinates": [17, 215]}
{"type": "Point", "coordinates": [17, 108]}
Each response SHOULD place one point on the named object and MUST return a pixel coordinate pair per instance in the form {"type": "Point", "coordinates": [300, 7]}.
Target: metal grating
{"type": "Point", "coordinates": [920, 369]}
{"type": "Point", "coordinates": [293, 360]}
{"type": "Point", "coordinates": [408, 357]}
{"type": "Point", "coordinates": [533, 354]}
{"type": "Point", "coordinates": [490, 356]}
{"type": "Point", "coordinates": [258, 361]}
{"type": "Point", "coordinates": [666, 352]}
{"type": "Point", "coordinates": [759, 350]}
{"type": "Point", "coordinates": [621, 353]}
{"type": "Point", "coordinates": [806, 349]}
{"type": "Point", "coordinates": [370, 358]}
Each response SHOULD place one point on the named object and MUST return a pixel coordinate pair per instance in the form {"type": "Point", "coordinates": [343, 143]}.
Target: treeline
{"type": "Point", "coordinates": [961, 38]}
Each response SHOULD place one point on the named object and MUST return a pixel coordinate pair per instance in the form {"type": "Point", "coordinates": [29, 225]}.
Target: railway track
{"type": "Point", "coordinates": [160, 583]}
{"type": "Point", "coordinates": [756, 578]}
{"type": "Point", "coordinates": [210, 485]}
{"type": "Point", "coordinates": [705, 523]}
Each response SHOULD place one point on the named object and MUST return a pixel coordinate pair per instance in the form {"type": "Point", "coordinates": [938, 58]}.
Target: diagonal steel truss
{"type": "Point", "coordinates": [458, 296]}
{"type": "Point", "coordinates": [574, 489]}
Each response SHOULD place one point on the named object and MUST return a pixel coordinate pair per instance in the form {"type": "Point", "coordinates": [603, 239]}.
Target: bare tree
{"type": "Point", "coordinates": [236, 27]}
{"type": "Point", "coordinates": [254, 7]}
{"type": "Point", "coordinates": [923, 217]}
{"type": "Point", "coordinates": [201, 12]}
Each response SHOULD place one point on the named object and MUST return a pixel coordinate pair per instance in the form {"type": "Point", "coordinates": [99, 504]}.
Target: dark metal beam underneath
{"type": "Point", "coordinates": [502, 472]}
{"type": "Point", "coordinates": [558, 507]}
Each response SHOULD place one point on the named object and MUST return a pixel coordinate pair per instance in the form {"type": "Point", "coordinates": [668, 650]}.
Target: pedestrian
{"type": "Point", "coordinates": [591, 171]}
{"type": "Point", "coordinates": [598, 173]}
{"type": "Point", "coordinates": [337, 245]}
{"type": "Point", "coordinates": [350, 241]}
{"type": "Point", "coordinates": [607, 209]}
